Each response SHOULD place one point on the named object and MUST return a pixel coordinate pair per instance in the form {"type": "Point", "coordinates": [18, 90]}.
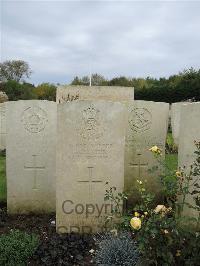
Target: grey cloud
{"type": "Point", "coordinates": [61, 39]}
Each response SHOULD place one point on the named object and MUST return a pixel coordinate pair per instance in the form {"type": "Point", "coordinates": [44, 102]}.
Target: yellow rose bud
{"type": "Point", "coordinates": [145, 213]}
{"type": "Point", "coordinates": [166, 231]}
{"type": "Point", "coordinates": [178, 174]}
{"type": "Point", "coordinates": [135, 223]}
{"type": "Point", "coordinates": [136, 214]}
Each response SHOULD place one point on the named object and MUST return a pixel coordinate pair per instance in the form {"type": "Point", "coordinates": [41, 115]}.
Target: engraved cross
{"type": "Point", "coordinates": [90, 179]}
{"type": "Point", "coordinates": [139, 165]}
{"type": "Point", "coordinates": [34, 167]}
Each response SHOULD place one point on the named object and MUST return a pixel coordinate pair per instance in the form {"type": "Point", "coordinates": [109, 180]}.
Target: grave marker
{"type": "Point", "coordinates": [108, 93]}
{"type": "Point", "coordinates": [147, 127]}
{"type": "Point", "coordinates": [189, 132]}
{"type": "Point", "coordinates": [90, 152]}
{"type": "Point", "coordinates": [31, 156]}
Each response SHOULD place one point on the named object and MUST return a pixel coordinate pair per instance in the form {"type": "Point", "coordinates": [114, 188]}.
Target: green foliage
{"type": "Point", "coordinates": [181, 87]}
{"type": "Point", "coordinates": [14, 70]}
{"type": "Point", "coordinates": [45, 91]}
{"type": "Point", "coordinates": [163, 242]}
{"type": "Point", "coordinates": [96, 80]}
{"type": "Point", "coordinates": [116, 250]}
{"type": "Point", "coordinates": [17, 91]}
{"type": "Point", "coordinates": [171, 147]}
{"type": "Point", "coordinates": [162, 238]}
{"type": "Point", "coordinates": [2, 178]}
{"type": "Point", "coordinates": [171, 161]}
{"type": "Point", "coordinates": [157, 240]}
{"type": "Point", "coordinates": [16, 247]}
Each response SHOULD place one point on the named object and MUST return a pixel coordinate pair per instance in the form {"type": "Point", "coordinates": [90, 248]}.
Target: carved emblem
{"type": "Point", "coordinates": [91, 126]}
{"type": "Point", "coordinates": [34, 119]}
{"type": "Point", "coordinates": [140, 120]}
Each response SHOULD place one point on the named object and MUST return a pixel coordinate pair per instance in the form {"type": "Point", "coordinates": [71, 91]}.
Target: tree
{"type": "Point", "coordinates": [45, 91]}
{"type": "Point", "coordinates": [96, 80]}
{"type": "Point", "coordinates": [14, 70]}
{"type": "Point", "coordinates": [17, 91]}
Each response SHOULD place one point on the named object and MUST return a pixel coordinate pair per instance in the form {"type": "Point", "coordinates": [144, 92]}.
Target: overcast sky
{"type": "Point", "coordinates": [62, 39]}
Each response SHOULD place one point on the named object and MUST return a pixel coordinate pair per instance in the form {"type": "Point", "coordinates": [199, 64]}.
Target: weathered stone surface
{"type": "Point", "coordinates": [175, 120]}
{"type": "Point", "coordinates": [109, 93]}
{"type": "Point", "coordinates": [147, 127]}
{"type": "Point", "coordinates": [31, 156]}
{"type": "Point", "coordinates": [2, 126]}
{"type": "Point", "coordinates": [189, 132]}
{"type": "Point", "coordinates": [90, 152]}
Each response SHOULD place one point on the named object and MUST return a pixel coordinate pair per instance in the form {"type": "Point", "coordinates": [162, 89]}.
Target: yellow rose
{"type": "Point", "coordinates": [155, 149]}
{"type": "Point", "coordinates": [160, 208]}
{"type": "Point", "coordinates": [136, 223]}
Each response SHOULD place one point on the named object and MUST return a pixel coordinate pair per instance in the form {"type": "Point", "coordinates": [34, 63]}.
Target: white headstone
{"type": "Point", "coordinates": [2, 126]}
{"type": "Point", "coordinates": [189, 132]}
{"type": "Point", "coordinates": [90, 152]}
{"type": "Point", "coordinates": [31, 156]}
{"type": "Point", "coordinates": [175, 120]}
{"type": "Point", "coordinates": [108, 93]}
{"type": "Point", "coordinates": [147, 127]}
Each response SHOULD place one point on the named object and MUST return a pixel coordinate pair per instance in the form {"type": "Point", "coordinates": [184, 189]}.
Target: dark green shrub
{"type": "Point", "coordinates": [16, 247]}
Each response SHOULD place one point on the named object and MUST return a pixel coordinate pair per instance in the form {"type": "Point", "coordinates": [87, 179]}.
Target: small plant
{"type": "Point", "coordinates": [16, 247]}
{"type": "Point", "coordinates": [116, 250]}
{"type": "Point", "coordinates": [171, 147]}
{"type": "Point", "coordinates": [116, 200]}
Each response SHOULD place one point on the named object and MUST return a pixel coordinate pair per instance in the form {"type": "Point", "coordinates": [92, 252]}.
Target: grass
{"type": "Point", "coordinates": [172, 161]}
{"type": "Point", "coordinates": [2, 178]}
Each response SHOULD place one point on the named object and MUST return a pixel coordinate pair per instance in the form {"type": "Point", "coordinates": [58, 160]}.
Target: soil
{"type": "Point", "coordinates": [54, 249]}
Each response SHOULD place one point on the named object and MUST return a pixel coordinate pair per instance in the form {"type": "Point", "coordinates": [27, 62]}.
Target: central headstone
{"type": "Point", "coordinates": [31, 156]}
{"type": "Point", "coordinates": [107, 93]}
{"type": "Point", "coordinates": [90, 153]}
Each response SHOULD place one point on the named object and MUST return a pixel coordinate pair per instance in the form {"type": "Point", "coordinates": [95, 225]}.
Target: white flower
{"type": "Point", "coordinates": [91, 251]}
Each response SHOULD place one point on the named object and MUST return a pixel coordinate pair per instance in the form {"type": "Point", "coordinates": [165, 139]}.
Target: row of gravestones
{"type": "Point", "coordinates": [60, 156]}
